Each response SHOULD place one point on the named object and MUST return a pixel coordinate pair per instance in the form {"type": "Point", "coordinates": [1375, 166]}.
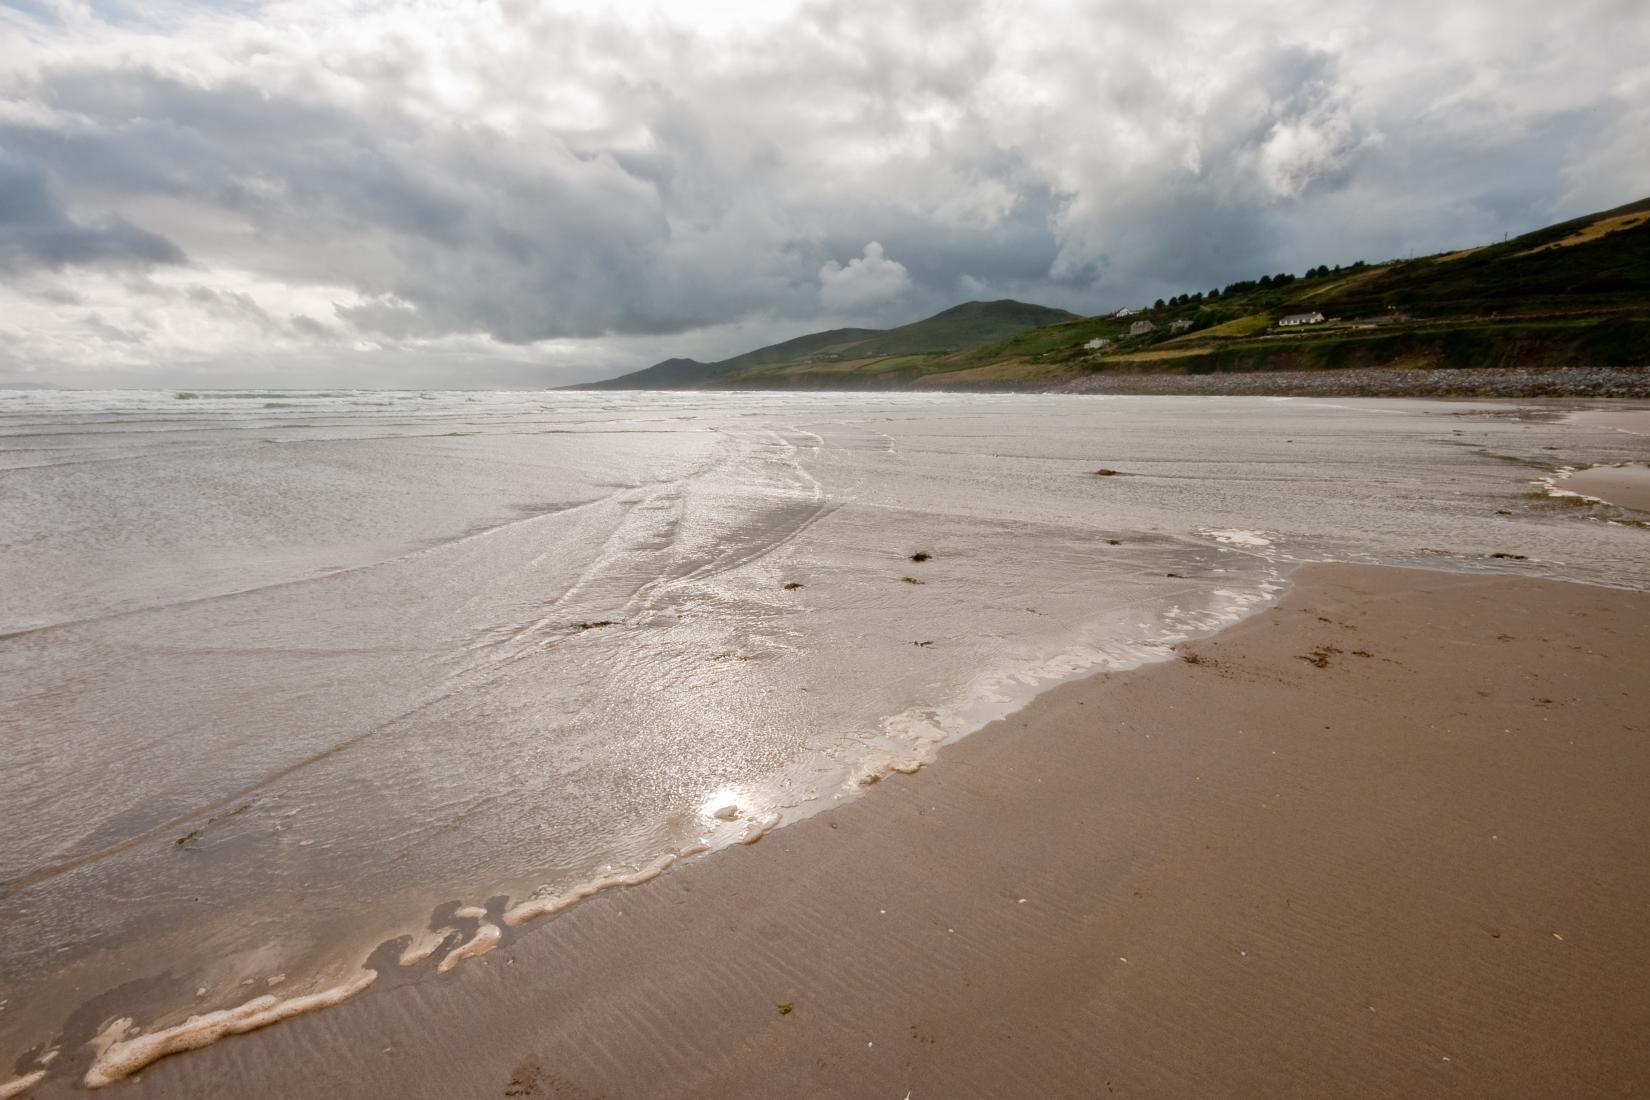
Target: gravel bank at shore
{"type": "Point", "coordinates": [1381, 382]}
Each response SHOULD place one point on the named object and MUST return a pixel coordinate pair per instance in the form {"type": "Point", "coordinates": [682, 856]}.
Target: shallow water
{"type": "Point", "coordinates": [286, 673]}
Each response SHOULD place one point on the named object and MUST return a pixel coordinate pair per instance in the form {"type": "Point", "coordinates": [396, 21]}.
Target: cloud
{"type": "Point", "coordinates": [569, 188]}
{"type": "Point", "coordinates": [868, 281]}
{"type": "Point", "coordinates": [36, 232]}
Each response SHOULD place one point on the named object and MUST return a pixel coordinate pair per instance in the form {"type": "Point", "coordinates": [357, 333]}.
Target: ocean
{"type": "Point", "coordinates": [291, 680]}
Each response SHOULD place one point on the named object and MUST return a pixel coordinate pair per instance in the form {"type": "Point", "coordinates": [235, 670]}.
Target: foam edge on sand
{"type": "Point", "coordinates": [121, 1054]}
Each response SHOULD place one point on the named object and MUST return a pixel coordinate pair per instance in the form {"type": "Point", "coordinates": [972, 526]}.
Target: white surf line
{"type": "Point", "coordinates": [533, 908]}
{"type": "Point", "coordinates": [486, 938]}
{"type": "Point", "coordinates": [121, 1054]}
{"type": "Point", "coordinates": [923, 731]}
{"type": "Point", "coordinates": [760, 828]}
{"type": "Point", "coordinates": [1549, 484]}
{"type": "Point", "coordinates": [1236, 537]}
{"type": "Point", "coordinates": [17, 1086]}
{"type": "Point", "coordinates": [873, 774]}
{"type": "Point", "coordinates": [423, 945]}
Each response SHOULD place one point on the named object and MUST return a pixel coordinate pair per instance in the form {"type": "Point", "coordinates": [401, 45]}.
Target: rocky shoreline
{"type": "Point", "coordinates": [1381, 382]}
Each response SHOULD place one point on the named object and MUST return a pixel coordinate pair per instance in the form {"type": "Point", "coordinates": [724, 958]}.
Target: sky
{"type": "Point", "coordinates": [496, 193]}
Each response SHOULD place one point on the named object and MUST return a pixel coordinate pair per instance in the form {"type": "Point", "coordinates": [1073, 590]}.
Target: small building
{"type": "Point", "coordinates": [1140, 328]}
{"type": "Point", "coordinates": [1096, 344]}
{"type": "Point", "coordinates": [1126, 312]}
{"type": "Point", "coordinates": [1290, 320]}
{"type": "Point", "coordinates": [1181, 325]}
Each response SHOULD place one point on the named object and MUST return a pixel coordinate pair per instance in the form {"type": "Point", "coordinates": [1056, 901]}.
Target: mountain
{"type": "Point", "coordinates": [1574, 294]}
{"type": "Point", "coordinates": [672, 374]}
{"type": "Point", "coordinates": [964, 326]}
{"type": "Point", "coordinates": [840, 352]}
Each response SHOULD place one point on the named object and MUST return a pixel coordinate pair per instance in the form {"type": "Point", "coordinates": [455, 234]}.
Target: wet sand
{"type": "Point", "coordinates": [1390, 837]}
{"type": "Point", "coordinates": [1623, 486]}
{"type": "Point", "coordinates": [1633, 420]}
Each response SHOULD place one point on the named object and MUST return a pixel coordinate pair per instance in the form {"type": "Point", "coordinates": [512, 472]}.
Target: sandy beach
{"type": "Point", "coordinates": [645, 551]}
{"type": "Point", "coordinates": [1387, 837]}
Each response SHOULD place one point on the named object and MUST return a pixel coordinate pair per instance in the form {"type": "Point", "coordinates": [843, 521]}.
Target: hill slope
{"type": "Point", "coordinates": [952, 330]}
{"type": "Point", "coordinates": [1575, 294]}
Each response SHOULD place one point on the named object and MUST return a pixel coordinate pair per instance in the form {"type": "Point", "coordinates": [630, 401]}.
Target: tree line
{"type": "Point", "coordinates": [1265, 282]}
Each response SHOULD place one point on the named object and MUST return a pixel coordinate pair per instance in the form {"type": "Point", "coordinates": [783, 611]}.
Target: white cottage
{"type": "Point", "coordinates": [1292, 319]}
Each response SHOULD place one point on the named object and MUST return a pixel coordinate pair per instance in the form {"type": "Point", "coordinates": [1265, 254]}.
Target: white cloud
{"type": "Point", "coordinates": [868, 281]}
{"type": "Point", "coordinates": [563, 189]}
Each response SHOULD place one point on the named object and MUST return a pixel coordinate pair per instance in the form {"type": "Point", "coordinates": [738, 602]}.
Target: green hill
{"type": "Point", "coordinates": [964, 326]}
{"type": "Point", "coordinates": [840, 352]}
{"type": "Point", "coordinates": [672, 374]}
{"type": "Point", "coordinates": [1576, 294]}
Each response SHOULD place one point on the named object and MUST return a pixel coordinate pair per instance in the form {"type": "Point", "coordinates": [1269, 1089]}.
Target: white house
{"type": "Point", "coordinates": [1096, 344]}
{"type": "Point", "coordinates": [1126, 312]}
{"type": "Point", "coordinates": [1140, 328]}
{"type": "Point", "coordinates": [1181, 325]}
{"type": "Point", "coordinates": [1290, 320]}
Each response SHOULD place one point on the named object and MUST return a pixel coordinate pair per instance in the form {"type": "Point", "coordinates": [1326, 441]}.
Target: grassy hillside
{"type": "Point", "coordinates": [814, 346]}
{"type": "Point", "coordinates": [964, 326]}
{"type": "Point", "coordinates": [1573, 294]}
{"type": "Point", "coordinates": [846, 353]}
{"type": "Point", "coordinates": [672, 374]}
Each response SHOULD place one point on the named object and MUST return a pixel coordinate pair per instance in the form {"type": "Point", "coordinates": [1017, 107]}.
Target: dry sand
{"type": "Point", "coordinates": [1389, 838]}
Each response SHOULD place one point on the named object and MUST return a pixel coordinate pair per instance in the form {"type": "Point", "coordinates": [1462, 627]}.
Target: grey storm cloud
{"type": "Point", "coordinates": [567, 191]}
{"type": "Point", "coordinates": [35, 231]}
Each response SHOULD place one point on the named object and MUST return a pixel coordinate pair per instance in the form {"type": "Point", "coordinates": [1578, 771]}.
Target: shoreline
{"type": "Point", "coordinates": [1634, 419]}
{"type": "Point", "coordinates": [124, 1047]}
{"type": "Point", "coordinates": [1626, 384]}
{"type": "Point", "coordinates": [1626, 486]}
{"type": "Point", "coordinates": [677, 981]}
{"type": "Point", "coordinates": [1612, 383]}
